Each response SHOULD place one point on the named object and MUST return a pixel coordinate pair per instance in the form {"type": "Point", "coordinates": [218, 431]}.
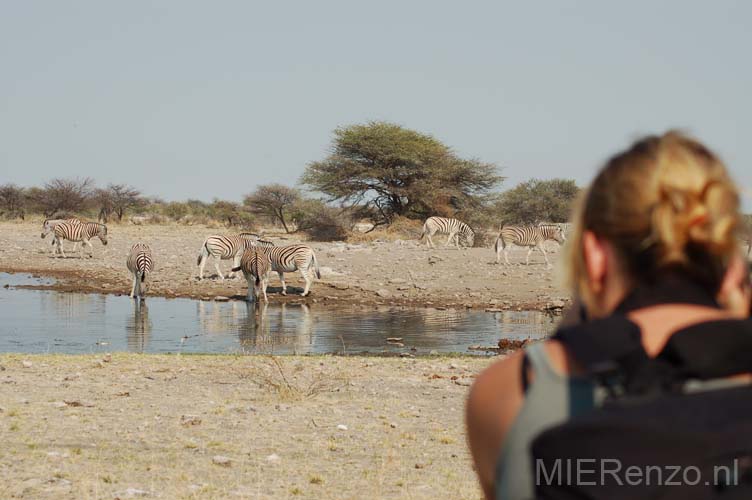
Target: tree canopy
{"type": "Point", "coordinates": [273, 201]}
{"type": "Point", "coordinates": [392, 171]}
{"type": "Point", "coordinates": [537, 201]}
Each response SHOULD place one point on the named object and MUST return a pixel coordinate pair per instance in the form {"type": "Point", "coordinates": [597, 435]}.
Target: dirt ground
{"type": "Point", "coordinates": [398, 272]}
{"type": "Point", "coordinates": [159, 426]}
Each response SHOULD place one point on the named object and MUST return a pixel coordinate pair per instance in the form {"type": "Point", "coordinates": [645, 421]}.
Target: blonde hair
{"type": "Point", "coordinates": [666, 203]}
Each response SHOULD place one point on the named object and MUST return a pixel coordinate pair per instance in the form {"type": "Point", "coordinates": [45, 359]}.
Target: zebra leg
{"type": "Point", "coordinates": [527, 259]}
{"type": "Point", "coordinates": [133, 287]}
{"type": "Point", "coordinates": [235, 263]}
{"type": "Point", "coordinates": [216, 266]}
{"type": "Point", "coordinates": [548, 264]}
{"type": "Point", "coordinates": [250, 297]}
{"type": "Point", "coordinates": [449, 240]}
{"type": "Point", "coordinates": [262, 286]}
{"type": "Point", "coordinates": [506, 256]}
{"type": "Point", "coordinates": [308, 281]}
{"type": "Point", "coordinates": [138, 291]}
{"type": "Point", "coordinates": [60, 248]}
{"type": "Point", "coordinates": [429, 241]}
{"type": "Point", "coordinates": [91, 248]}
{"type": "Point", "coordinates": [282, 279]}
{"type": "Point", "coordinates": [201, 264]}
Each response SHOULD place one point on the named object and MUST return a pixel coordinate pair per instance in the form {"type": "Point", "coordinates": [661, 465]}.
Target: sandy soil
{"type": "Point", "coordinates": [399, 272]}
{"type": "Point", "coordinates": [128, 426]}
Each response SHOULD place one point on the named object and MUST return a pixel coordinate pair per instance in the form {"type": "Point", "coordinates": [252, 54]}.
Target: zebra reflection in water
{"type": "Point", "coordinates": [265, 330]}
{"type": "Point", "coordinates": [138, 327]}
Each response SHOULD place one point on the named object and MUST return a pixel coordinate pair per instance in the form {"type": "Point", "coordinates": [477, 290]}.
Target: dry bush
{"type": "Point", "coordinates": [277, 377]}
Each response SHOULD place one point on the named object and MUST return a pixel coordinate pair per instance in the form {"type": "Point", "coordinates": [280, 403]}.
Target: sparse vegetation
{"type": "Point", "coordinates": [275, 445]}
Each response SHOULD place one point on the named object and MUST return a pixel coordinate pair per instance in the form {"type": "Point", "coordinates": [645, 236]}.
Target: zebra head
{"type": "Point", "coordinates": [46, 227]}
{"type": "Point", "coordinates": [102, 233]}
{"type": "Point", "coordinates": [558, 234]}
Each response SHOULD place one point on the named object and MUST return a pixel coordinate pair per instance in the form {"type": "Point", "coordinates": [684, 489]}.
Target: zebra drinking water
{"type": "Point", "coordinates": [456, 229]}
{"type": "Point", "coordinates": [139, 263]}
{"type": "Point", "coordinates": [256, 266]}
{"type": "Point", "coordinates": [222, 248]}
{"type": "Point", "coordinates": [528, 236]}
{"type": "Point", "coordinates": [293, 258]}
{"type": "Point", "coordinates": [81, 231]}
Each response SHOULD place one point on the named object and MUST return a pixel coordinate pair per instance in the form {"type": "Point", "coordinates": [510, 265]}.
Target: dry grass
{"type": "Point", "coordinates": [156, 424]}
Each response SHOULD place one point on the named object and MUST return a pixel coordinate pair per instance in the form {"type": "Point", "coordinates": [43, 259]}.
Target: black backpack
{"type": "Point", "coordinates": [654, 437]}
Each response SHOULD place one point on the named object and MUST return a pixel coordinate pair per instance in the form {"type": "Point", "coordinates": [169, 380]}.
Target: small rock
{"type": "Point", "coordinates": [107, 357]}
{"type": "Point", "coordinates": [78, 402]}
{"type": "Point", "coordinates": [383, 293]}
{"type": "Point", "coordinates": [342, 427]}
{"type": "Point", "coordinates": [132, 493]}
{"type": "Point", "coordinates": [188, 420]}
{"type": "Point", "coordinates": [272, 458]}
{"type": "Point", "coordinates": [221, 298]}
{"type": "Point", "coordinates": [26, 364]}
{"type": "Point", "coordinates": [221, 460]}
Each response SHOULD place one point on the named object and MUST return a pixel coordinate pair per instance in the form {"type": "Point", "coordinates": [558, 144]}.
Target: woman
{"type": "Point", "coordinates": [660, 213]}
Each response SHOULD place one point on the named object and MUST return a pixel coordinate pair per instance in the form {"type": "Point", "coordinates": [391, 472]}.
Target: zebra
{"type": "Point", "coordinates": [49, 225]}
{"type": "Point", "coordinates": [256, 266]}
{"type": "Point", "coordinates": [82, 231]}
{"type": "Point", "coordinates": [248, 243]}
{"type": "Point", "coordinates": [288, 259]}
{"type": "Point", "coordinates": [453, 227]}
{"type": "Point", "coordinates": [225, 247]}
{"type": "Point", "coordinates": [528, 236]}
{"type": "Point", "coordinates": [139, 263]}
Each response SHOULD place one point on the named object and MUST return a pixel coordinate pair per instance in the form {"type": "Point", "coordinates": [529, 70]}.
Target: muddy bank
{"type": "Point", "coordinates": [126, 426]}
{"type": "Point", "coordinates": [395, 273]}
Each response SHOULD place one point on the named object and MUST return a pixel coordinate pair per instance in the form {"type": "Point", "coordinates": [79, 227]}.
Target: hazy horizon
{"type": "Point", "coordinates": [190, 100]}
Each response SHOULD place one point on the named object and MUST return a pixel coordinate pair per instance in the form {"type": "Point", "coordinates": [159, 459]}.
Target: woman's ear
{"type": "Point", "coordinates": [734, 294]}
{"type": "Point", "coordinates": [595, 256]}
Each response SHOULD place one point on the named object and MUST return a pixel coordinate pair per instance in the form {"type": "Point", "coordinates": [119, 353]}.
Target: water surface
{"type": "Point", "coordinates": [38, 321]}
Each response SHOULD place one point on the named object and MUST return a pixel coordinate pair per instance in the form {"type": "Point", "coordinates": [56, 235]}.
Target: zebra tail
{"type": "Point", "coordinates": [203, 253]}
{"type": "Point", "coordinates": [316, 266]}
{"type": "Point", "coordinates": [235, 269]}
{"type": "Point", "coordinates": [143, 276]}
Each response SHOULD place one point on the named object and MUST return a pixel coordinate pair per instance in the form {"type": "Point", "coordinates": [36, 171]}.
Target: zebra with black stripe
{"type": "Point", "coordinates": [256, 265]}
{"type": "Point", "coordinates": [258, 243]}
{"type": "Point", "coordinates": [79, 232]}
{"type": "Point", "coordinates": [528, 236]}
{"type": "Point", "coordinates": [456, 230]}
{"type": "Point", "coordinates": [222, 248]}
{"type": "Point", "coordinates": [139, 263]}
{"type": "Point", "coordinates": [291, 258]}
{"type": "Point", "coordinates": [49, 225]}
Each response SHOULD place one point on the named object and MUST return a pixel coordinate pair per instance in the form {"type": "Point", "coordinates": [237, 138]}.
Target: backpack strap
{"type": "Point", "coordinates": [713, 349]}
{"type": "Point", "coordinates": [610, 351]}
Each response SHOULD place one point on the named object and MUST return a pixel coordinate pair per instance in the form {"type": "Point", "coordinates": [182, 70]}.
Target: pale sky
{"type": "Point", "coordinates": [188, 99]}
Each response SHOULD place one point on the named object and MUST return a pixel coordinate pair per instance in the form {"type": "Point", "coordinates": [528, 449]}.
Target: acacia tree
{"type": "Point", "coordinates": [273, 201]}
{"type": "Point", "coordinates": [64, 195]}
{"type": "Point", "coordinates": [395, 171]}
{"type": "Point", "coordinates": [538, 200]}
{"type": "Point", "coordinates": [117, 199]}
{"type": "Point", "coordinates": [12, 200]}
{"type": "Point", "coordinates": [124, 198]}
